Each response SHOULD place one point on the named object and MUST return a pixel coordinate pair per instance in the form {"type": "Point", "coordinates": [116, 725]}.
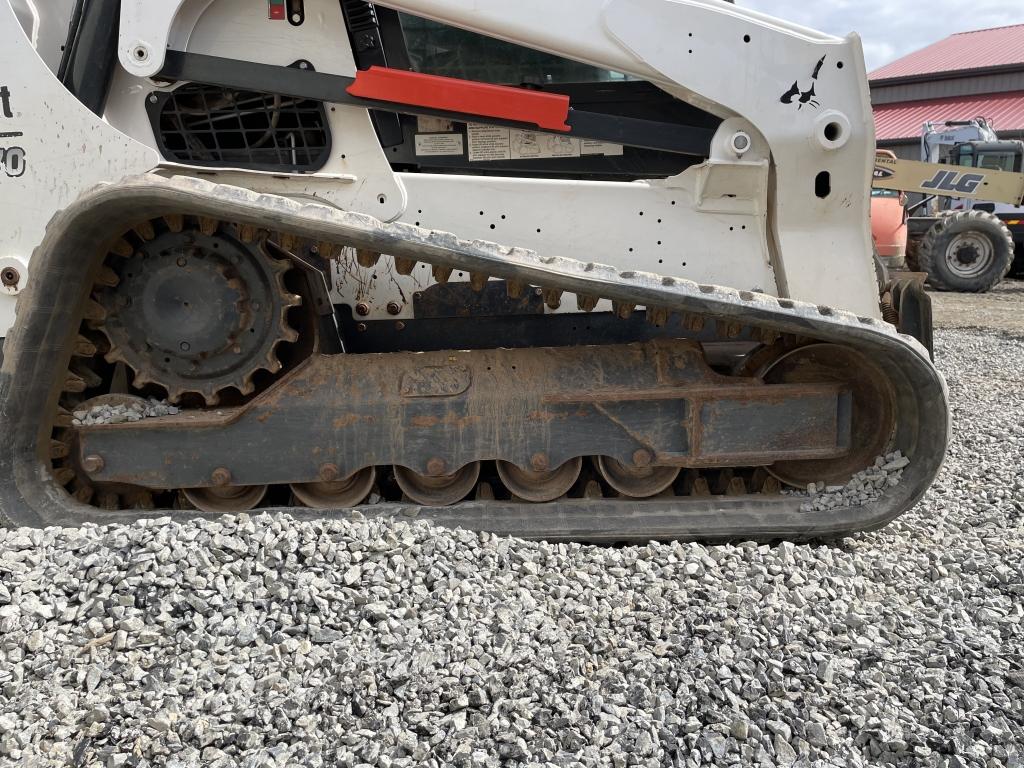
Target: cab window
{"type": "Point", "coordinates": [438, 49]}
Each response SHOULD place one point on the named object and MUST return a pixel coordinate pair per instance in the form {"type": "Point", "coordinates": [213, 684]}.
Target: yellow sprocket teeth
{"type": "Point", "coordinates": [207, 225]}
{"type": "Point", "coordinates": [404, 266]}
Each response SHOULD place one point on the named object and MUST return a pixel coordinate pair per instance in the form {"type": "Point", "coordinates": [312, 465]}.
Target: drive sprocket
{"type": "Point", "coordinates": [196, 308]}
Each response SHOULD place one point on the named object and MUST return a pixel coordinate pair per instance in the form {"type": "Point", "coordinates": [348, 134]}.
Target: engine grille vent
{"type": "Point", "coordinates": [212, 126]}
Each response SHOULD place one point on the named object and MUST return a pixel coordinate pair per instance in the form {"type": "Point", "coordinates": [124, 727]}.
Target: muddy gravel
{"type": "Point", "coordinates": [260, 641]}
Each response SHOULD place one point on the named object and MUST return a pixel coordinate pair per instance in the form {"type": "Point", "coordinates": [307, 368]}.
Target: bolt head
{"type": "Point", "coordinates": [10, 277]}
{"type": "Point", "coordinates": [539, 462]}
{"type": "Point", "coordinates": [394, 307]}
{"type": "Point", "coordinates": [436, 467]}
{"type": "Point", "coordinates": [329, 473]}
{"type": "Point", "coordinates": [362, 309]}
{"type": "Point", "coordinates": [220, 476]}
{"type": "Point", "coordinates": [93, 463]}
{"type": "Point", "coordinates": [642, 458]}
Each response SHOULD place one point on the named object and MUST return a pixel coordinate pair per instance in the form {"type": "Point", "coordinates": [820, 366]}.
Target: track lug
{"type": "Point", "coordinates": [207, 225]}
{"type": "Point", "coordinates": [94, 311]}
{"type": "Point", "coordinates": [623, 310]}
{"type": "Point", "coordinates": [658, 316]}
{"type": "Point", "coordinates": [366, 258]}
{"type": "Point", "coordinates": [83, 347]}
{"type": "Point", "coordinates": [404, 266]}
{"type": "Point", "coordinates": [586, 303]}
{"type": "Point", "coordinates": [515, 289]}
{"type": "Point", "coordinates": [145, 230]}
{"type": "Point", "coordinates": [175, 222]}
{"type": "Point", "coordinates": [441, 274]}
{"type": "Point", "coordinates": [122, 248]}
{"type": "Point", "coordinates": [247, 233]}
{"type": "Point", "coordinates": [477, 281]}
{"type": "Point", "coordinates": [59, 450]}
{"type": "Point", "coordinates": [552, 298]}
{"type": "Point", "coordinates": [73, 383]}
{"type": "Point", "coordinates": [62, 419]}
{"type": "Point", "coordinates": [107, 278]}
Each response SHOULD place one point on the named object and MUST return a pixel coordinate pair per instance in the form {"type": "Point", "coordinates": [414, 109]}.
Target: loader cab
{"type": "Point", "coordinates": [430, 47]}
{"type": "Point", "coordinates": [995, 155]}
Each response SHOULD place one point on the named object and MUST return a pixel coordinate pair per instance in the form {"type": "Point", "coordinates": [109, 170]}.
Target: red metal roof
{"type": "Point", "coordinates": [903, 120]}
{"type": "Point", "coordinates": [1001, 46]}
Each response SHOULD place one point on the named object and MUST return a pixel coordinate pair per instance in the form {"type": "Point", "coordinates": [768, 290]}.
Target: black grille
{"type": "Point", "coordinates": [213, 126]}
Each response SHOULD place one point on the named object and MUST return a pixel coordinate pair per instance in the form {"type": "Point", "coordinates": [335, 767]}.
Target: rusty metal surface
{"type": "Point", "coordinates": [535, 408]}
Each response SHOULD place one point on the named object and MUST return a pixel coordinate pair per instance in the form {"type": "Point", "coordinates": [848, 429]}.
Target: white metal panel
{"type": "Point", "coordinates": [239, 29]}
{"type": "Point", "coordinates": [647, 226]}
{"type": "Point", "coordinates": [65, 149]}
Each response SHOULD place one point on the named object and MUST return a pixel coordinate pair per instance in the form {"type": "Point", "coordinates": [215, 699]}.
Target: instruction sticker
{"type": "Point", "coordinates": [428, 144]}
{"type": "Point", "coordinates": [594, 147]}
{"type": "Point", "coordinates": [433, 125]}
{"type": "Point", "coordinates": [488, 142]}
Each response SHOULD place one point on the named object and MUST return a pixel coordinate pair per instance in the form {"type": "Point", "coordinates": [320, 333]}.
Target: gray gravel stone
{"type": "Point", "coordinates": [263, 641]}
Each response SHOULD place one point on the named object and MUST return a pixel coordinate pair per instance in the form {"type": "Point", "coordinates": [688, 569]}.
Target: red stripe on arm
{"type": "Point", "coordinates": [446, 94]}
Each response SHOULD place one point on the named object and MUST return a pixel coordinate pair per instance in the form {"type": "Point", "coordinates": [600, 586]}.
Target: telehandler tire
{"type": "Point", "coordinates": [968, 252]}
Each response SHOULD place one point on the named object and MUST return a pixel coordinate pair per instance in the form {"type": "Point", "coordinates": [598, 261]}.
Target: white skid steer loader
{"type": "Point", "coordinates": [596, 271]}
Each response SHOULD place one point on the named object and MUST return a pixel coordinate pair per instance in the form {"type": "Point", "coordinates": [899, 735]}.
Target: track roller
{"type": "Point", "coordinates": [233, 498]}
{"type": "Point", "coordinates": [440, 491]}
{"type": "Point", "coordinates": [636, 482]}
{"type": "Point", "coordinates": [336, 494]}
{"type": "Point", "coordinates": [543, 485]}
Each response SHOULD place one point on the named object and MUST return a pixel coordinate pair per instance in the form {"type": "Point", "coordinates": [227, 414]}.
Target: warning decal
{"type": "Point", "coordinates": [489, 143]}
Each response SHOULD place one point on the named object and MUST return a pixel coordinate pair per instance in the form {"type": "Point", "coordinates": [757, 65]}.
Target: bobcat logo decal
{"type": "Point", "coordinates": [802, 97]}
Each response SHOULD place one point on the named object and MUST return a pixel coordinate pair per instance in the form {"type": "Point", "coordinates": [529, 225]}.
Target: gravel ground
{"type": "Point", "coordinates": [258, 641]}
{"type": "Point", "coordinates": [998, 310]}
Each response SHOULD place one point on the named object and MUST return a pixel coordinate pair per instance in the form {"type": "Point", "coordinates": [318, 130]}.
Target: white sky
{"type": "Point", "coordinates": [891, 28]}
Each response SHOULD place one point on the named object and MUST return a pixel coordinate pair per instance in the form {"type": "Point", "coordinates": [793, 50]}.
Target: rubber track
{"type": "Point", "coordinates": [37, 354]}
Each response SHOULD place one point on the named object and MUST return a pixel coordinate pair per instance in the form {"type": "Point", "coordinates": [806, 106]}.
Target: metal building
{"type": "Point", "coordinates": [969, 74]}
